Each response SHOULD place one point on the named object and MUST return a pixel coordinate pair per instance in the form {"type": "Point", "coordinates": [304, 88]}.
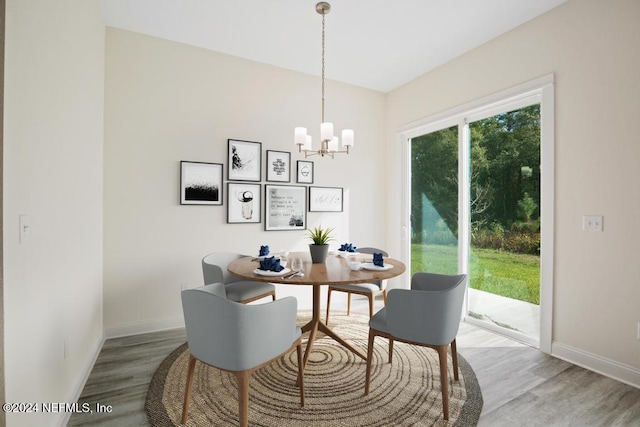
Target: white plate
{"type": "Point", "coordinates": [372, 266]}
{"type": "Point", "coordinates": [271, 273]}
{"type": "Point", "coordinates": [346, 254]}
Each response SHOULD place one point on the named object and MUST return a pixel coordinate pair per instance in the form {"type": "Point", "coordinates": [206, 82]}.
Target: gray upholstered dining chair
{"type": "Point", "coordinates": [426, 315]}
{"type": "Point", "coordinates": [214, 269]}
{"type": "Point", "coordinates": [238, 338]}
{"type": "Point", "coordinates": [369, 290]}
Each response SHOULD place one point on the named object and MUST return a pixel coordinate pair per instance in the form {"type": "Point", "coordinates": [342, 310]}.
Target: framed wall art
{"type": "Point", "coordinates": [244, 160]}
{"type": "Point", "coordinates": [243, 203]}
{"type": "Point", "coordinates": [325, 199]}
{"type": "Point", "coordinates": [278, 166]}
{"type": "Point", "coordinates": [304, 172]}
{"type": "Point", "coordinates": [200, 183]}
{"type": "Point", "coordinates": [285, 207]}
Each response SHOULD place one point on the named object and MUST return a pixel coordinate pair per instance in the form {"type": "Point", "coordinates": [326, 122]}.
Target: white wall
{"type": "Point", "coordinates": [592, 48]}
{"type": "Point", "coordinates": [54, 82]}
{"type": "Point", "coordinates": [167, 102]}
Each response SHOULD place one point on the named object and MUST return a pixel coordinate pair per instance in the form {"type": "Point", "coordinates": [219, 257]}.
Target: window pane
{"type": "Point", "coordinates": [434, 202]}
{"type": "Point", "coordinates": [504, 265]}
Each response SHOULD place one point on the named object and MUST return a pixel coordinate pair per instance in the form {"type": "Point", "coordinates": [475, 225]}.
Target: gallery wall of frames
{"type": "Point", "coordinates": [281, 202]}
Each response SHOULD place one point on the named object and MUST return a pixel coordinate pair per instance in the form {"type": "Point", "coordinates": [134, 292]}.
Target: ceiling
{"type": "Point", "coordinates": [376, 44]}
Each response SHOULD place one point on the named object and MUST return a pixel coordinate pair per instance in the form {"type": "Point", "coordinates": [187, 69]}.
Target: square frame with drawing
{"type": "Point", "coordinates": [244, 160]}
{"type": "Point", "coordinates": [304, 171]}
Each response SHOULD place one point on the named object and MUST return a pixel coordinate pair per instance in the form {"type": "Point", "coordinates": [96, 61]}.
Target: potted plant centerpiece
{"type": "Point", "coordinates": [320, 246]}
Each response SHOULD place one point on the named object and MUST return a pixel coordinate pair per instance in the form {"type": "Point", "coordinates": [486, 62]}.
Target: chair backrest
{"type": "Point", "coordinates": [234, 336]}
{"type": "Point", "coordinates": [430, 312]}
{"type": "Point", "coordinates": [369, 250]}
{"type": "Point", "coordinates": [214, 267]}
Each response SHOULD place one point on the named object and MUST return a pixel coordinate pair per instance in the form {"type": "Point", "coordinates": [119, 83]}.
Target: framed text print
{"type": "Point", "coordinates": [325, 199]}
{"type": "Point", "coordinates": [244, 160]}
{"type": "Point", "coordinates": [285, 207]}
{"type": "Point", "coordinates": [304, 172]}
{"type": "Point", "coordinates": [278, 166]}
{"type": "Point", "coordinates": [243, 203]}
{"type": "Point", "coordinates": [200, 183]}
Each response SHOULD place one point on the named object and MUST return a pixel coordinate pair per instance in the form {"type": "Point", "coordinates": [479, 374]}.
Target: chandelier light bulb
{"type": "Point", "coordinates": [347, 137]}
{"type": "Point", "coordinates": [326, 131]}
{"type": "Point", "coordinates": [300, 135]}
{"type": "Point", "coordinates": [333, 144]}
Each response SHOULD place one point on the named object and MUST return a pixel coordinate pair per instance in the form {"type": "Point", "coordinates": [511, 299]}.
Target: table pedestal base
{"type": "Point", "coordinates": [316, 325]}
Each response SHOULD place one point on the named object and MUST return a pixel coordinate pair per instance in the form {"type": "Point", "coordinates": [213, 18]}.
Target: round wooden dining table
{"type": "Point", "coordinates": [335, 271]}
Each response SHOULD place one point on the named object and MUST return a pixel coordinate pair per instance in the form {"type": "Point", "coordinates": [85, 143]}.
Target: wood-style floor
{"type": "Point", "coordinates": [520, 385]}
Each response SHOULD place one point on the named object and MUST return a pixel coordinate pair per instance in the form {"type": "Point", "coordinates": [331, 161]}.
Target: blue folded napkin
{"type": "Point", "coordinates": [347, 247]}
{"type": "Point", "coordinates": [377, 259]}
{"type": "Point", "coordinates": [271, 264]}
{"type": "Point", "coordinates": [264, 250]}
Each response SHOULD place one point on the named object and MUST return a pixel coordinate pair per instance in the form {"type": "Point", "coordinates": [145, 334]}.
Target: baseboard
{"type": "Point", "coordinates": [81, 383]}
{"type": "Point", "coordinates": [136, 328]}
{"type": "Point", "coordinates": [607, 367]}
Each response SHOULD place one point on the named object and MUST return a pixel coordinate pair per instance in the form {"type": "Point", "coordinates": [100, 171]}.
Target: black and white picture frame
{"type": "Point", "coordinates": [200, 183]}
{"type": "Point", "coordinates": [278, 166]}
{"type": "Point", "coordinates": [243, 203]}
{"type": "Point", "coordinates": [244, 160]}
{"type": "Point", "coordinates": [325, 199]}
{"type": "Point", "coordinates": [304, 172]}
{"type": "Point", "coordinates": [285, 207]}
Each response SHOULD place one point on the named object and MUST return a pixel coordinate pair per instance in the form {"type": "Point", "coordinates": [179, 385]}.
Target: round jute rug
{"type": "Point", "coordinates": [403, 393]}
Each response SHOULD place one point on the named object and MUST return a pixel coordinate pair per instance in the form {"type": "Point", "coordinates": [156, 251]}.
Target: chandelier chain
{"type": "Point", "coordinates": [323, 67]}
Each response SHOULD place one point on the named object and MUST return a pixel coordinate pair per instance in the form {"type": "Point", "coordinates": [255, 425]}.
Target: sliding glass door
{"type": "Point", "coordinates": [477, 205]}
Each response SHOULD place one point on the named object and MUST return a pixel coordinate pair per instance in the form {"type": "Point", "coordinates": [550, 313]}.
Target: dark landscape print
{"type": "Point", "coordinates": [202, 192]}
{"type": "Point", "coordinates": [201, 183]}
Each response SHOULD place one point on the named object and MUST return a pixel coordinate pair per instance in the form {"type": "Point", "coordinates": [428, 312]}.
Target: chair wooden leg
{"type": "Point", "coordinates": [390, 350]}
{"type": "Point", "coordinates": [369, 359]}
{"type": "Point", "coordinates": [243, 397]}
{"type": "Point", "coordinates": [348, 303]}
{"type": "Point", "coordinates": [300, 372]}
{"type": "Point", "coordinates": [444, 380]}
{"type": "Point", "coordinates": [384, 296]}
{"type": "Point", "coordinates": [454, 358]}
{"type": "Point", "coordinates": [273, 296]}
{"type": "Point", "coordinates": [370, 297]}
{"type": "Point", "coordinates": [187, 391]}
{"type": "Point", "coordinates": [326, 320]}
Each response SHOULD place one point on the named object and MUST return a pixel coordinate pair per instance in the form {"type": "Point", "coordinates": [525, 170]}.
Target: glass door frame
{"type": "Point", "coordinates": [539, 91]}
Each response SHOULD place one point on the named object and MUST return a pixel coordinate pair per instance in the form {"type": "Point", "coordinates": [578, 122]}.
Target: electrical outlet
{"type": "Point", "coordinates": [638, 331]}
{"type": "Point", "coordinates": [592, 222]}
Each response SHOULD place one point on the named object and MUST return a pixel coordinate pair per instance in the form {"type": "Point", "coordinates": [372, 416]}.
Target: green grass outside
{"type": "Point", "coordinates": [503, 273]}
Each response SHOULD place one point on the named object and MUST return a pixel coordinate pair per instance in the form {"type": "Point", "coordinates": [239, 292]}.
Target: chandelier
{"type": "Point", "coordinates": [328, 142]}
